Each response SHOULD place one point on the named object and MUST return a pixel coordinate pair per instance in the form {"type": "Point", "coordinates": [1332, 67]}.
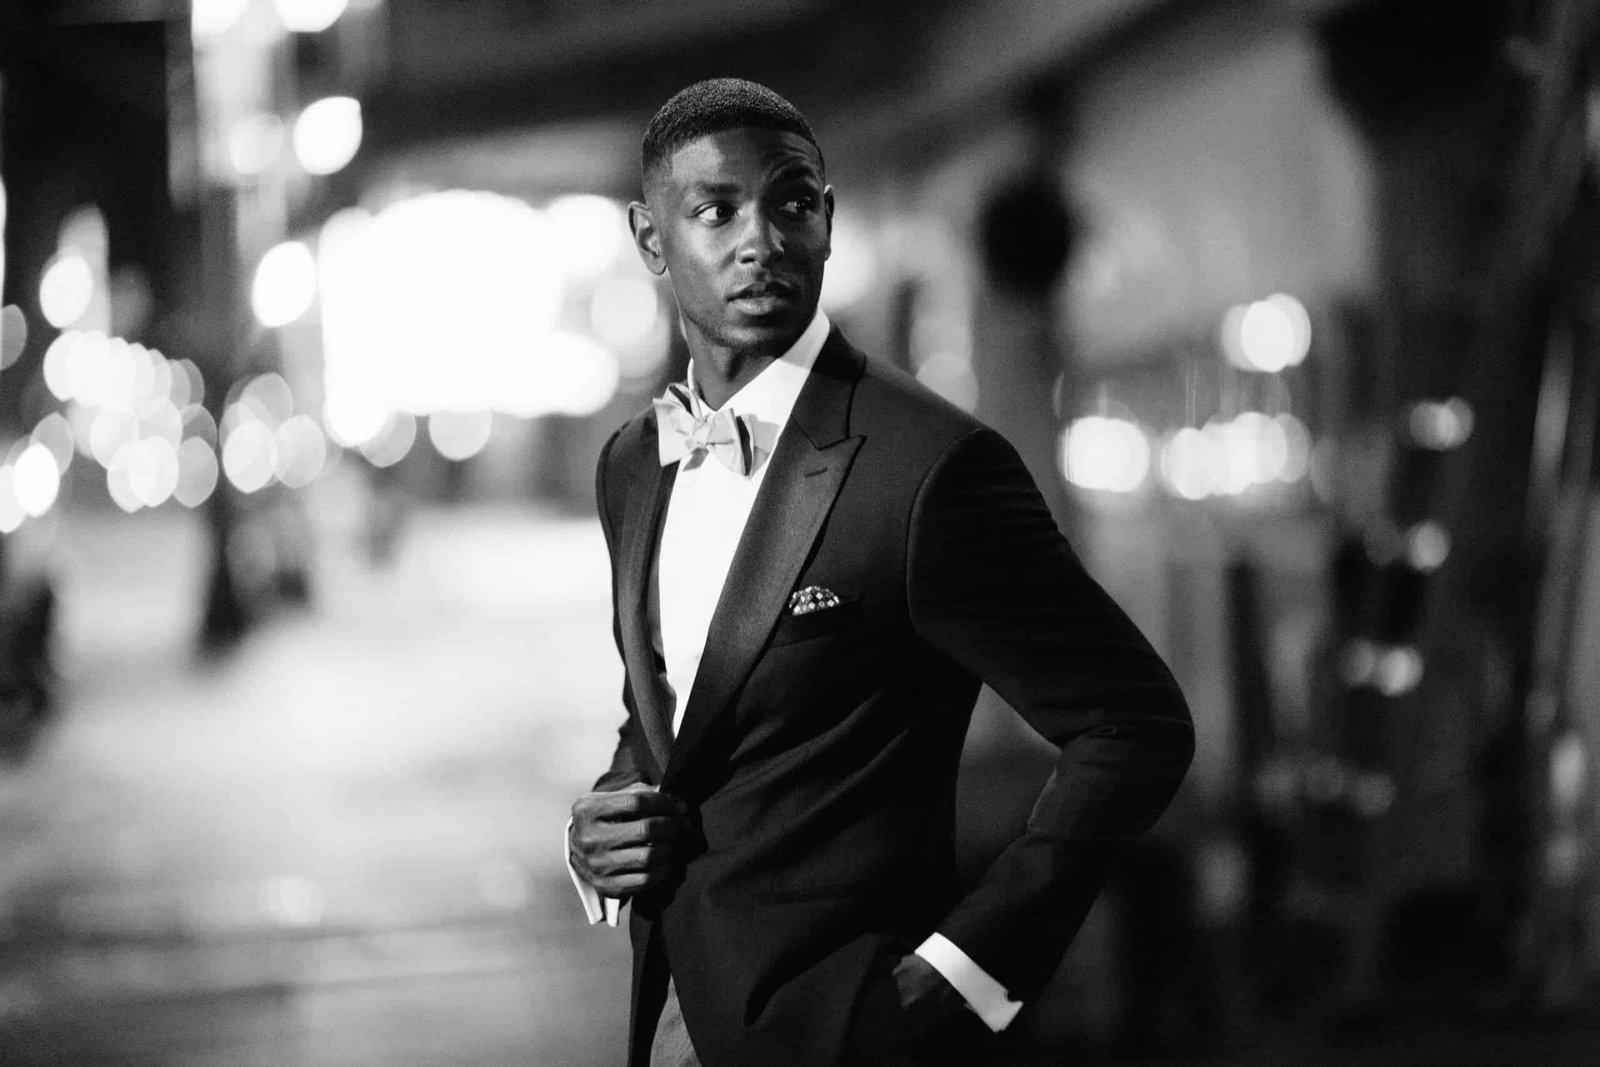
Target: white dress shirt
{"type": "Point", "coordinates": [706, 516]}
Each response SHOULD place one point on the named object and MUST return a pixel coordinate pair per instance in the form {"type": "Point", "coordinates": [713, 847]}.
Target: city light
{"type": "Point", "coordinates": [213, 18]}
{"type": "Point", "coordinates": [393, 440]}
{"type": "Point", "coordinates": [254, 143]}
{"type": "Point", "coordinates": [472, 274]}
{"type": "Point", "coordinates": [1189, 464]}
{"type": "Point", "coordinates": [197, 473]}
{"type": "Point", "coordinates": [623, 311]}
{"type": "Point", "coordinates": [11, 513]}
{"type": "Point", "coordinates": [119, 483]}
{"type": "Point", "coordinates": [309, 16]}
{"type": "Point", "coordinates": [1427, 546]}
{"type": "Point", "coordinates": [586, 233]}
{"type": "Point", "coordinates": [285, 284]}
{"type": "Point", "coordinates": [13, 327]}
{"type": "Point", "coordinates": [1267, 335]}
{"type": "Point", "coordinates": [300, 451]}
{"type": "Point", "coordinates": [582, 374]}
{"type": "Point", "coordinates": [110, 431]}
{"type": "Point", "coordinates": [269, 397]}
{"type": "Point", "coordinates": [1297, 448]}
{"type": "Point", "coordinates": [1440, 425]}
{"type": "Point", "coordinates": [55, 434]}
{"type": "Point", "coordinates": [66, 289]}
{"type": "Point", "coordinates": [249, 455]}
{"type": "Point", "coordinates": [459, 435]}
{"type": "Point", "coordinates": [36, 480]}
{"type": "Point", "coordinates": [1105, 453]}
{"type": "Point", "coordinates": [327, 134]}
{"type": "Point", "coordinates": [152, 471]}
{"type": "Point", "coordinates": [56, 359]}
{"type": "Point", "coordinates": [1398, 670]}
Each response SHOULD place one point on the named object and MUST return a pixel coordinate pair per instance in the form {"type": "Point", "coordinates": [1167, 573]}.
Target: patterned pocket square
{"type": "Point", "coordinates": [812, 598]}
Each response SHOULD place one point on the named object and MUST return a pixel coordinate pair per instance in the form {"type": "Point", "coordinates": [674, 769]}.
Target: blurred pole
{"type": "Point", "coordinates": [1026, 229]}
{"type": "Point", "coordinates": [224, 77]}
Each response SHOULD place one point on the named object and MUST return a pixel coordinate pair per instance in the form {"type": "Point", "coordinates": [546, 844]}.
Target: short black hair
{"type": "Point", "coordinates": [712, 106]}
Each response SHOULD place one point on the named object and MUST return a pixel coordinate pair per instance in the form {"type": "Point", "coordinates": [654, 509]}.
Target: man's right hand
{"type": "Point", "coordinates": [629, 840]}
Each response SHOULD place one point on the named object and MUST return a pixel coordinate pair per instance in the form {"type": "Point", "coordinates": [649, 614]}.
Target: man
{"type": "Point", "coordinates": [815, 562]}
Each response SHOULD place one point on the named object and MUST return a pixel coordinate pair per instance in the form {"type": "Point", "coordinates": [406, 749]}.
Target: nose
{"type": "Point", "coordinates": [762, 240]}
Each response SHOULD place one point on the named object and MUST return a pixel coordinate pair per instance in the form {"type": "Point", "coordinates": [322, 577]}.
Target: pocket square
{"type": "Point", "coordinates": [812, 598]}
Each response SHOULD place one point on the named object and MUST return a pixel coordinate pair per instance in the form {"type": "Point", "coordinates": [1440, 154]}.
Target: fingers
{"type": "Point", "coordinates": [626, 804]}
{"type": "Point", "coordinates": [626, 841]}
{"type": "Point", "coordinates": [621, 872]}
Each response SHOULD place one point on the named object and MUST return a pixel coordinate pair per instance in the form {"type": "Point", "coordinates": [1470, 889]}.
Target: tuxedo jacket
{"type": "Point", "coordinates": [818, 751]}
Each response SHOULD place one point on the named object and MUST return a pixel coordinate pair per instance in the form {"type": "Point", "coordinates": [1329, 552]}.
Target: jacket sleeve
{"type": "Point", "coordinates": [994, 586]}
{"type": "Point", "coordinates": [624, 770]}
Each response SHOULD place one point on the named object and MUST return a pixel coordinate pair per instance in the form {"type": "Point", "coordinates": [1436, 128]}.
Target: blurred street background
{"type": "Point", "coordinates": [315, 314]}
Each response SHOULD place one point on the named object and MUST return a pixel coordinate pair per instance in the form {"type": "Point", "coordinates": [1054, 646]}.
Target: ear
{"type": "Point", "coordinates": [827, 204]}
{"type": "Point", "coordinates": [646, 237]}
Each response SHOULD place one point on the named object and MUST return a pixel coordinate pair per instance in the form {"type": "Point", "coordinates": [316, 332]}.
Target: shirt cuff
{"type": "Point", "coordinates": [986, 997]}
{"type": "Point", "coordinates": [595, 906]}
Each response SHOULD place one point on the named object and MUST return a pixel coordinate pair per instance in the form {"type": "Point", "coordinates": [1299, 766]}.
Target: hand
{"type": "Point", "coordinates": [626, 841]}
{"type": "Point", "coordinates": [926, 996]}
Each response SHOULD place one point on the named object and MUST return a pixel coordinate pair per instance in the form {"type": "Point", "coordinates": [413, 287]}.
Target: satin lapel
{"type": "Point", "coordinates": [808, 469]}
{"type": "Point", "coordinates": [652, 487]}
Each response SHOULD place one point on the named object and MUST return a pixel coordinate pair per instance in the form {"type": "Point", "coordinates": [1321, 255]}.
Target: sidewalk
{"type": "Point", "coordinates": [338, 846]}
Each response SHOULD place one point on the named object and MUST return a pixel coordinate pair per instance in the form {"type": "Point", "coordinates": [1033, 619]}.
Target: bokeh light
{"type": "Point", "coordinates": [212, 18]}
{"type": "Point", "coordinates": [197, 473]}
{"type": "Point", "coordinates": [300, 451]}
{"type": "Point", "coordinates": [468, 273]}
{"type": "Point", "coordinates": [586, 233]}
{"type": "Point", "coordinates": [1440, 425]}
{"type": "Point", "coordinates": [285, 284]}
{"type": "Point", "coordinates": [36, 480]}
{"type": "Point", "coordinates": [1189, 464]}
{"type": "Point", "coordinates": [11, 513]}
{"type": "Point", "coordinates": [249, 455]}
{"type": "Point", "coordinates": [459, 435]}
{"type": "Point", "coordinates": [1100, 452]}
{"type": "Point", "coordinates": [309, 16]}
{"type": "Point", "coordinates": [66, 289]}
{"type": "Point", "coordinates": [327, 134]}
{"type": "Point", "coordinates": [393, 440]}
{"type": "Point", "coordinates": [1398, 670]}
{"type": "Point", "coordinates": [623, 311]}
{"type": "Point", "coordinates": [55, 434]}
{"type": "Point", "coordinates": [254, 143]}
{"type": "Point", "coordinates": [1267, 335]}
{"type": "Point", "coordinates": [13, 328]}
{"type": "Point", "coordinates": [1427, 546]}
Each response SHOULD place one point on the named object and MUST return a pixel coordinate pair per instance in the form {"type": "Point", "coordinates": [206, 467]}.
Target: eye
{"type": "Point", "coordinates": [714, 212]}
{"type": "Point", "coordinates": [799, 205]}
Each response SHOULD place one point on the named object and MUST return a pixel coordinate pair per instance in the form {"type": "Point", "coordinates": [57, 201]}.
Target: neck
{"type": "Point", "coordinates": [721, 372]}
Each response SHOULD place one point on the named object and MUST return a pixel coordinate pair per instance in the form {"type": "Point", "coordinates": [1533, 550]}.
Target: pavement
{"type": "Point", "coordinates": [339, 844]}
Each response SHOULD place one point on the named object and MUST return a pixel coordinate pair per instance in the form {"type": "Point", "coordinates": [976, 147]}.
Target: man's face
{"type": "Point", "coordinates": [741, 223]}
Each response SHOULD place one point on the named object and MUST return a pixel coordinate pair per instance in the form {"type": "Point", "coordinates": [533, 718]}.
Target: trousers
{"type": "Point", "coordinates": [670, 1047]}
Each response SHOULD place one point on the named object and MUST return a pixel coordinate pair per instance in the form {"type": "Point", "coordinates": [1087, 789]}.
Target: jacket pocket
{"type": "Point", "coordinates": [848, 615]}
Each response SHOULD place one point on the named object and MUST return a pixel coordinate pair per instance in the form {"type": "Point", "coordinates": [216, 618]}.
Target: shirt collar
{"type": "Point", "coordinates": [769, 397]}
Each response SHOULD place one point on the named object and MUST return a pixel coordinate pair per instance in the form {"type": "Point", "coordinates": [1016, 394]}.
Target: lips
{"type": "Point", "coordinates": [763, 290]}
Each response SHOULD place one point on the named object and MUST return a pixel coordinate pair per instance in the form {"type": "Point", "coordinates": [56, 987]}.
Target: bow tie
{"type": "Point", "coordinates": [684, 426]}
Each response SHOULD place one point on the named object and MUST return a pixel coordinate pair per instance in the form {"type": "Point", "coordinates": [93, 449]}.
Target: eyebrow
{"type": "Point", "coordinates": [712, 188]}
{"type": "Point", "coordinates": [801, 169]}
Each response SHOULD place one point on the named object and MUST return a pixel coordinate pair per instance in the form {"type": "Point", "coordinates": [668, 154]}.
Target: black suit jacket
{"type": "Point", "coordinates": [819, 752]}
